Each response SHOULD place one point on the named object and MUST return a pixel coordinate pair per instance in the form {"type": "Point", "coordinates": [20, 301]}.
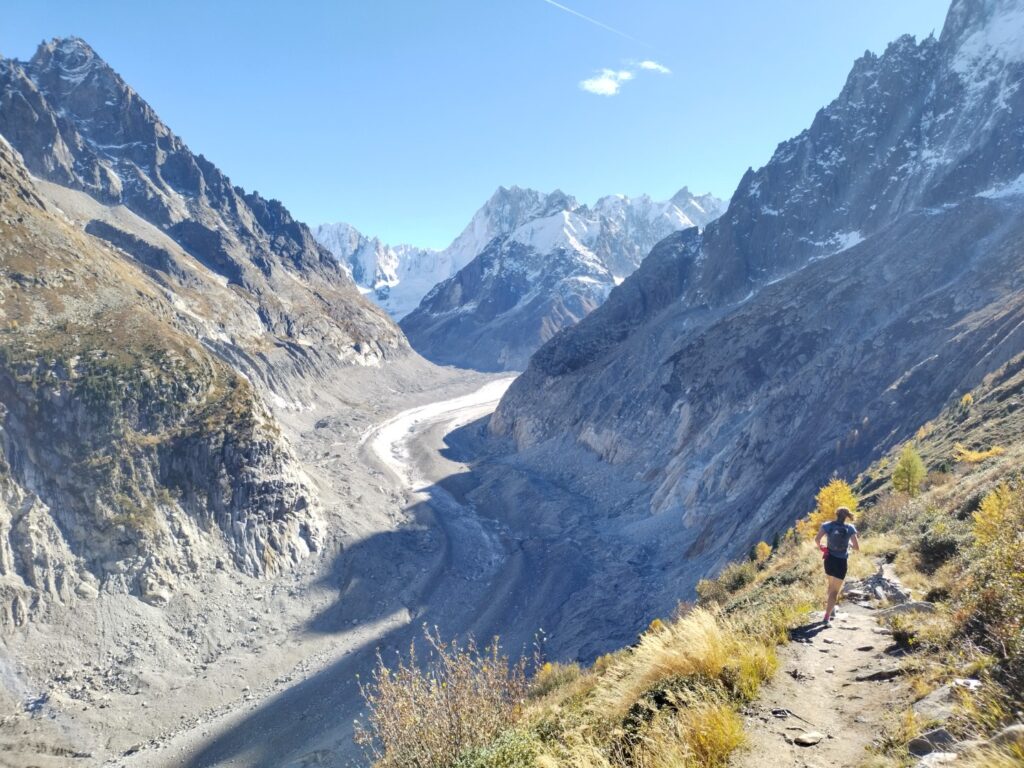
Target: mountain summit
{"type": "Point", "coordinates": [398, 277]}
{"type": "Point", "coordinates": [77, 124]}
{"type": "Point", "coordinates": [538, 263]}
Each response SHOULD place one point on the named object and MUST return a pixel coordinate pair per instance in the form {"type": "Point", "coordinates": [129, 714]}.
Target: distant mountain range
{"type": "Point", "coordinates": [527, 265]}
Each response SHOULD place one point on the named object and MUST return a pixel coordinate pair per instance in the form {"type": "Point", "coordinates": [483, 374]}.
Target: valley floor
{"type": "Point", "coordinates": [432, 561]}
{"type": "Point", "coordinates": [278, 685]}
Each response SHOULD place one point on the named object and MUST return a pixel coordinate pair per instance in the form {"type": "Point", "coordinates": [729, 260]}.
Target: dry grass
{"type": "Point", "coordinates": [429, 715]}
{"type": "Point", "coordinates": [702, 736]}
{"type": "Point", "coordinates": [1010, 757]}
{"type": "Point", "coordinates": [703, 645]}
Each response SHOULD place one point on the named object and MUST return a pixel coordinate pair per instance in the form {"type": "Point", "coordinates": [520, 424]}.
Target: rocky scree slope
{"type": "Point", "coordinates": [129, 453]}
{"type": "Point", "coordinates": [868, 274]}
{"type": "Point", "coordinates": [541, 263]}
{"type": "Point", "coordinates": [252, 282]}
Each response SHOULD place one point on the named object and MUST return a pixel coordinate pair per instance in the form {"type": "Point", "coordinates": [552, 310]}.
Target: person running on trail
{"type": "Point", "coordinates": [840, 535]}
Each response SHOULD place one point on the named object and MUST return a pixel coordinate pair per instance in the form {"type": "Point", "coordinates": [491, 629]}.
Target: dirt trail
{"type": "Point", "coordinates": [821, 678]}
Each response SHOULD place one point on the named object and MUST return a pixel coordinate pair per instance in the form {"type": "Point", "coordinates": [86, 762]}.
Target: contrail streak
{"type": "Point", "coordinates": [595, 22]}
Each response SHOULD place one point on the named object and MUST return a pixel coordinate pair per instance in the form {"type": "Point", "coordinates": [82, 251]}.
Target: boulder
{"type": "Point", "coordinates": [808, 739]}
{"type": "Point", "coordinates": [937, 758]}
{"type": "Point", "coordinates": [86, 591]}
{"type": "Point", "coordinates": [931, 741]}
{"type": "Point", "coordinates": [937, 705]}
{"type": "Point", "coordinates": [1010, 736]}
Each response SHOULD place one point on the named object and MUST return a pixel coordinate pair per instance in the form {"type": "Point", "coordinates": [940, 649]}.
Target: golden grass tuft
{"type": "Point", "coordinates": [698, 737]}
{"type": "Point", "coordinates": [702, 645]}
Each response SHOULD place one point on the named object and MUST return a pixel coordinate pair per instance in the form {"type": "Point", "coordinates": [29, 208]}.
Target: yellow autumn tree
{"type": "Point", "coordinates": [993, 516]}
{"type": "Point", "coordinates": [837, 493]}
{"type": "Point", "coordinates": [910, 471]}
{"type": "Point", "coordinates": [762, 552]}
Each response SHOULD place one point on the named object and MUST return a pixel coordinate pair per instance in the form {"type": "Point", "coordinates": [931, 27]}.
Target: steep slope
{"type": "Point", "coordinates": [129, 454]}
{"type": "Point", "coordinates": [859, 281]}
{"type": "Point", "coordinates": [544, 262]}
{"type": "Point", "coordinates": [283, 308]}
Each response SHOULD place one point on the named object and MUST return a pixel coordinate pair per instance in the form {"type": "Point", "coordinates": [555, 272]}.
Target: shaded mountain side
{"type": "Point", "coordinates": [289, 309]}
{"type": "Point", "coordinates": [867, 275]}
{"type": "Point", "coordinates": [494, 312]}
{"type": "Point", "coordinates": [921, 665]}
{"type": "Point", "coordinates": [129, 454]}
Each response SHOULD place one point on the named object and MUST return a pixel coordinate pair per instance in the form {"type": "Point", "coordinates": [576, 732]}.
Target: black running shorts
{"type": "Point", "coordinates": [835, 566]}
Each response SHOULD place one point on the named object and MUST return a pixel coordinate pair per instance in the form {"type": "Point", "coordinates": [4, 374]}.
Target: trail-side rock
{"type": "Point", "coordinates": [809, 738]}
{"type": "Point", "coordinates": [1011, 735]}
{"type": "Point", "coordinates": [918, 606]}
{"type": "Point", "coordinates": [937, 705]}
{"type": "Point", "coordinates": [882, 674]}
{"type": "Point", "coordinates": [932, 741]}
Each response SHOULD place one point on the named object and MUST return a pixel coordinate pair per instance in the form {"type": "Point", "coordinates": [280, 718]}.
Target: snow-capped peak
{"type": "Point", "coordinates": [614, 235]}
{"type": "Point", "coordinates": [985, 31]}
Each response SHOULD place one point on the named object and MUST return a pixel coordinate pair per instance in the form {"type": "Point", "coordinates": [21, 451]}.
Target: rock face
{"type": "Point", "coordinates": [543, 263]}
{"type": "Point", "coordinates": [869, 273]}
{"type": "Point", "coordinates": [284, 308]}
{"type": "Point", "coordinates": [129, 453]}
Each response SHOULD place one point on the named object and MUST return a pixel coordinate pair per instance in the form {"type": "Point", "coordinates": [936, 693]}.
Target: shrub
{"type": "Point", "coordinates": [837, 493]}
{"type": "Point", "coordinates": [513, 749]}
{"type": "Point", "coordinates": [966, 402]}
{"type": "Point", "coordinates": [996, 581]}
{"type": "Point", "coordinates": [430, 715]}
{"type": "Point", "coordinates": [966, 455]}
{"type": "Point", "coordinates": [553, 675]}
{"type": "Point", "coordinates": [737, 575]}
{"type": "Point", "coordinates": [909, 472]}
{"type": "Point", "coordinates": [710, 591]}
{"type": "Point", "coordinates": [939, 540]}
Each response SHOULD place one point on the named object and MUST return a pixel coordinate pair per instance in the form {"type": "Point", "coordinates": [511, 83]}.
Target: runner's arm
{"type": "Point", "coordinates": [855, 542]}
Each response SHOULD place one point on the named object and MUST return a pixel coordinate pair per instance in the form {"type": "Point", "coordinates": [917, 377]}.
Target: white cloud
{"type": "Point", "coordinates": [607, 83]}
{"type": "Point", "coordinates": [654, 67]}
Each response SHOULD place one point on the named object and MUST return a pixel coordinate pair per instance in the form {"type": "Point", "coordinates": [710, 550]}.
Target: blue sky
{"type": "Point", "coordinates": [402, 117]}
